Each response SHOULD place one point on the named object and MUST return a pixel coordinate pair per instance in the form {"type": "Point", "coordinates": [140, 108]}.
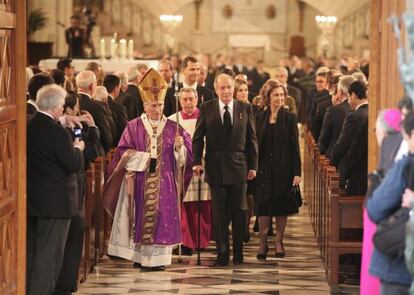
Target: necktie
{"type": "Point", "coordinates": [227, 120]}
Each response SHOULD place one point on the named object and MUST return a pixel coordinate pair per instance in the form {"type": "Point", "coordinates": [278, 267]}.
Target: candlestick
{"type": "Point", "coordinates": [122, 48]}
{"type": "Point", "coordinates": [113, 48]}
{"type": "Point", "coordinates": [102, 48]}
{"type": "Point", "coordinates": [131, 48]}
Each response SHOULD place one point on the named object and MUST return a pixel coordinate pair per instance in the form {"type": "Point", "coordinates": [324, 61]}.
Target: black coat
{"type": "Point", "coordinates": [100, 117]}
{"type": "Point", "coordinates": [352, 146]}
{"type": "Point", "coordinates": [120, 118]}
{"type": "Point", "coordinates": [332, 126]}
{"type": "Point", "coordinates": [279, 162]}
{"type": "Point", "coordinates": [133, 102]}
{"type": "Point", "coordinates": [52, 164]}
{"type": "Point", "coordinates": [389, 149]}
{"type": "Point", "coordinates": [203, 93]}
{"type": "Point", "coordinates": [319, 116]}
{"type": "Point", "coordinates": [228, 158]}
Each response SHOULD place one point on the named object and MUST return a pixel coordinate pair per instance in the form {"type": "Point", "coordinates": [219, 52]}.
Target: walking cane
{"type": "Point", "coordinates": [199, 218]}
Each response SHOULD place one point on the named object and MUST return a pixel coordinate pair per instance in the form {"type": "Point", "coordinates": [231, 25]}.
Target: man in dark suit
{"type": "Point", "coordinates": [352, 144]}
{"type": "Point", "coordinates": [112, 85]}
{"type": "Point", "coordinates": [52, 162]}
{"type": "Point", "coordinates": [282, 75]}
{"type": "Point", "coordinates": [75, 38]}
{"type": "Point", "coordinates": [191, 72]}
{"type": "Point", "coordinates": [131, 98]}
{"type": "Point", "coordinates": [86, 82]}
{"type": "Point", "coordinates": [35, 83]}
{"type": "Point", "coordinates": [335, 116]}
{"type": "Point", "coordinates": [231, 159]}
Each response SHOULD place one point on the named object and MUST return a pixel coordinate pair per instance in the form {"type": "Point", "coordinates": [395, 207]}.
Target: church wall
{"type": "Point", "coordinates": [207, 41]}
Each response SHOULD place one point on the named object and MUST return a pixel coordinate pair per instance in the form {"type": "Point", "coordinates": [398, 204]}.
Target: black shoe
{"type": "Point", "coordinates": [246, 238]}
{"type": "Point", "coordinates": [185, 251]}
{"type": "Point", "coordinates": [218, 263]}
{"type": "Point", "coordinates": [136, 265]}
{"type": "Point", "coordinates": [154, 268]}
{"type": "Point", "coordinates": [280, 254]}
{"type": "Point", "coordinates": [262, 256]}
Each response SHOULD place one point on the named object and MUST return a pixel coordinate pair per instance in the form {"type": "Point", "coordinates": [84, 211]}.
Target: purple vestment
{"type": "Point", "coordinates": [167, 229]}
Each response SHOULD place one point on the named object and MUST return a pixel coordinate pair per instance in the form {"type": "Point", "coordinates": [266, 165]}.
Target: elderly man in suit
{"type": "Point", "coordinates": [86, 81]}
{"type": "Point", "coordinates": [52, 162]}
{"type": "Point", "coordinates": [231, 158]}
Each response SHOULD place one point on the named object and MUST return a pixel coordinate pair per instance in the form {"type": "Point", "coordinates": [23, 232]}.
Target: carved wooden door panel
{"type": "Point", "coordinates": [12, 146]}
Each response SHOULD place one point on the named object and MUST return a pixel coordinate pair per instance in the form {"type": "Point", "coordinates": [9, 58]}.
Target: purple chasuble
{"type": "Point", "coordinates": [167, 228]}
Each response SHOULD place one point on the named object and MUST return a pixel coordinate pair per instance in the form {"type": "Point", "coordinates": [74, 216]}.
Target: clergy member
{"type": "Point", "coordinates": [141, 193]}
{"type": "Point", "coordinates": [189, 214]}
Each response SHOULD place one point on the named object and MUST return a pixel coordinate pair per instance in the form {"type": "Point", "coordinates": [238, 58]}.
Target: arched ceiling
{"type": "Point", "coordinates": [338, 8]}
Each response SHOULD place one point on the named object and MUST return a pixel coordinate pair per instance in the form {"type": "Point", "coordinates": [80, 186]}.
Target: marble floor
{"type": "Point", "coordinates": [300, 272]}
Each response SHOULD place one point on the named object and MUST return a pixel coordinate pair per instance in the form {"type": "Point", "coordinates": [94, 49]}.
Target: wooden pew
{"type": "Point", "coordinates": [99, 182]}
{"type": "Point", "coordinates": [87, 264]}
{"type": "Point", "coordinates": [107, 220]}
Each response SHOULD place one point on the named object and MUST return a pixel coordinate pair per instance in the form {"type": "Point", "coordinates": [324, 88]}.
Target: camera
{"type": "Point", "coordinates": [77, 133]}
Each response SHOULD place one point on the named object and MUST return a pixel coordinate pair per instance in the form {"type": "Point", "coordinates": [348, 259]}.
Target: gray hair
{"type": "Point", "coordinates": [29, 75]}
{"type": "Point", "coordinates": [123, 76]}
{"type": "Point", "coordinates": [186, 90]}
{"type": "Point", "coordinates": [344, 83]}
{"type": "Point", "coordinates": [282, 70]}
{"type": "Point", "coordinates": [101, 93]}
{"type": "Point", "coordinates": [50, 96]}
{"type": "Point", "coordinates": [85, 79]}
{"type": "Point", "coordinates": [360, 77]}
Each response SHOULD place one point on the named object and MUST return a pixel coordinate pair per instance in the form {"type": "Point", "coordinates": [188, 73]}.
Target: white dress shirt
{"type": "Point", "coordinates": [222, 110]}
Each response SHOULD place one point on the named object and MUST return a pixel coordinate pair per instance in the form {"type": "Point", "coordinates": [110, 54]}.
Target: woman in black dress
{"type": "Point", "coordinates": [279, 166]}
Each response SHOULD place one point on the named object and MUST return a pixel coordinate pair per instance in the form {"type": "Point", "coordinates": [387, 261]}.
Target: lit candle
{"type": "Point", "coordinates": [102, 48]}
{"type": "Point", "coordinates": [113, 48]}
{"type": "Point", "coordinates": [122, 48]}
{"type": "Point", "coordinates": [131, 48]}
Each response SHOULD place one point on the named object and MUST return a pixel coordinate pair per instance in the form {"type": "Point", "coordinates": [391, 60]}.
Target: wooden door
{"type": "Point", "coordinates": [12, 146]}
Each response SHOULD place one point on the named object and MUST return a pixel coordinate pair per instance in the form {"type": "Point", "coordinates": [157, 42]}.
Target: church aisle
{"type": "Point", "coordinates": [300, 272]}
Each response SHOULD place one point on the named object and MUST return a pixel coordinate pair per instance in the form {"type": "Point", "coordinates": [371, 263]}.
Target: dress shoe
{"type": "Point", "coordinates": [218, 263]}
{"type": "Point", "coordinates": [185, 251]}
{"type": "Point", "coordinates": [154, 268]}
{"type": "Point", "coordinates": [262, 256]}
{"type": "Point", "coordinates": [137, 265]}
{"type": "Point", "coordinates": [280, 254]}
{"type": "Point", "coordinates": [246, 238]}
{"type": "Point", "coordinates": [237, 260]}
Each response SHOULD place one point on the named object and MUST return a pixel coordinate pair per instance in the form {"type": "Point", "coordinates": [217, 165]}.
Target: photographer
{"type": "Point", "coordinates": [75, 38]}
{"type": "Point", "coordinates": [67, 282]}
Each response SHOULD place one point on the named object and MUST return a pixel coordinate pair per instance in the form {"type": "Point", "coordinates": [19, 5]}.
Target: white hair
{"type": "Point", "coordinates": [186, 90]}
{"type": "Point", "coordinates": [50, 96]}
{"type": "Point", "coordinates": [123, 76]}
{"type": "Point", "coordinates": [101, 93]}
{"type": "Point", "coordinates": [282, 70]}
{"type": "Point", "coordinates": [322, 70]}
{"type": "Point", "coordinates": [29, 75]}
{"type": "Point", "coordinates": [360, 77]}
{"type": "Point", "coordinates": [85, 79]}
{"type": "Point", "coordinates": [344, 83]}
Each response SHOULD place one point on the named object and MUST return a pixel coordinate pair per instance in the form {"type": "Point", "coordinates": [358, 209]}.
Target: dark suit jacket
{"type": "Point", "coordinates": [295, 93]}
{"type": "Point", "coordinates": [352, 145]}
{"type": "Point", "coordinates": [133, 102]}
{"type": "Point", "coordinates": [389, 149]}
{"type": "Point", "coordinates": [228, 157]}
{"type": "Point", "coordinates": [100, 117]}
{"type": "Point", "coordinates": [31, 110]}
{"type": "Point", "coordinates": [320, 115]}
{"type": "Point", "coordinates": [332, 126]}
{"type": "Point", "coordinates": [52, 163]}
{"type": "Point", "coordinates": [120, 118]}
{"type": "Point", "coordinates": [203, 93]}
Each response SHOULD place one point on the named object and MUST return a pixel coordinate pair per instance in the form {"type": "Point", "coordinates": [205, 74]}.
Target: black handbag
{"type": "Point", "coordinates": [389, 238]}
{"type": "Point", "coordinates": [296, 195]}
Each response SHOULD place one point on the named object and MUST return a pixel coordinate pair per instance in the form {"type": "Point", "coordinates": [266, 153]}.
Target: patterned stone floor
{"type": "Point", "coordinates": [300, 272]}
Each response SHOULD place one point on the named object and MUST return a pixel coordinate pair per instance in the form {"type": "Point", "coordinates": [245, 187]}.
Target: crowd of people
{"type": "Point", "coordinates": [195, 138]}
